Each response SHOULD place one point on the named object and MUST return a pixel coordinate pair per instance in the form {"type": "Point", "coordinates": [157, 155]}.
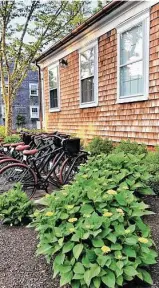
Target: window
{"type": "Point", "coordinates": [89, 76]}
{"type": "Point", "coordinates": [133, 60]}
{"type": "Point", "coordinates": [33, 87]}
{"type": "Point", "coordinates": [54, 87]}
{"type": "Point", "coordinates": [34, 112]}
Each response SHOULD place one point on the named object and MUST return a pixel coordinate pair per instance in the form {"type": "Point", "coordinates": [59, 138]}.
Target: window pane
{"type": "Point", "coordinates": [53, 78]}
{"type": "Point", "coordinates": [53, 99]}
{"type": "Point", "coordinates": [131, 79]}
{"type": "Point", "coordinates": [87, 90]}
{"type": "Point", "coordinates": [34, 89]}
{"type": "Point", "coordinates": [87, 63]}
{"type": "Point", "coordinates": [131, 44]}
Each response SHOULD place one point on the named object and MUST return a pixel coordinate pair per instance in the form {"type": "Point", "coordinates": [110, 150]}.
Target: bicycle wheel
{"type": "Point", "coordinates": [56, 172]}
{"type": "Point", "coordinates": [17, 172]}
{"type": "Point", "coordinates": [7, 161]}
{"type": "Point", "coordinates": [70, 168]}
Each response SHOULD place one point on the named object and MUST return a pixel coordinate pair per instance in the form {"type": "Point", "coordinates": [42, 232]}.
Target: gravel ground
{"type": "Point", "coordinates": [20, 268]}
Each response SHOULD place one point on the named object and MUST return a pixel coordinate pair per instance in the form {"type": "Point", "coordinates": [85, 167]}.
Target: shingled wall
{"type": "Point", "coordinates": [137, 121]}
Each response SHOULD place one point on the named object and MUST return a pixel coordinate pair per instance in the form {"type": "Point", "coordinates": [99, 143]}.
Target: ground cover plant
{"type": "Point", "coordinates": [2, 131]}
{"type": "Point", "coordinates": [94, 227]}
{"type": "Point", "coordinates": [15, 208]}
{"type": "Point", "coordinates": [12, 139]}
{"type": "Point", "coordinates": [152, 163]}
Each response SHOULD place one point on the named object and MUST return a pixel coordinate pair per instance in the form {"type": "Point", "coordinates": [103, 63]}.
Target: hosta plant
{"type": "Point", "coordinates": [94, 227]}
{"type": "Point", "coordinates": [131, 147]}
{"type": "Point", "coordinates": [15, 208]}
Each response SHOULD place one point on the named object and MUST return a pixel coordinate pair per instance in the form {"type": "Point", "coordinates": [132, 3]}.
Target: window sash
{"type": "Point", "coordinates": [34, 89]}
{"type": "Point", "coordinates": [54, 98]}
{"type": "Point", "coordinates": [130, 62]}
{"type": "Point", "coordinates": [88, 92]}
{"type": "Point", "coordinates": [54, 88]}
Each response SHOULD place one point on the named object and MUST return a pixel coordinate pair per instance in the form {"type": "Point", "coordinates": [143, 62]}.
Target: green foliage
{"type": "Point", "coordinates": [20, 120]}
{"type": "Point", "coordinates": [15, 208]}
{"type": "Point", "coordinates": [131, 147]}
{"type": "Point", "coordinates": [94, 226]}
{"type": "Point", "coordinates": [33, 131]}
{"type": "Point", "coordinates": [12, 139]}
{"type": "Point", "coordinates": [2, 131]}
{"type": "Point", "coordinates": [152, 164]}
{"type": "Point", "coordinates": [99, 145]}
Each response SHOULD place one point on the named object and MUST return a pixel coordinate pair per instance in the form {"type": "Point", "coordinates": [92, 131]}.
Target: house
{"type": "Point", "coordinates": [103, 78]}
{"type": "Point", "coordinates": [26, 102]}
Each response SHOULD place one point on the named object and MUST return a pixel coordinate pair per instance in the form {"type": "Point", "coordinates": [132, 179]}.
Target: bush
{"type": "Point", "coordinates": [131, 147]}
{"type": "Point", "coordinates": [152, 164]}
{"type": "Point", "coordinates": [15, 208]}
{"type": "Point", "coordinates": [99, 145]}
{"type": "Point", "coordinates": [12, 139]}
{"type": "Point", "coordinates": [94, 227]}
{"type": "Point", "coordinates": [2, 131]}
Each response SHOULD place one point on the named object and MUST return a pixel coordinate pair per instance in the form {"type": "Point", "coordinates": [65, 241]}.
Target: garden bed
{"type": "Point", "coordinates": [20, 268]}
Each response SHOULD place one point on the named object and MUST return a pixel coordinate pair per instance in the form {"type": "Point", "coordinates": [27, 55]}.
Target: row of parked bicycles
{"type": "Point", "coordinates": [40, 162]}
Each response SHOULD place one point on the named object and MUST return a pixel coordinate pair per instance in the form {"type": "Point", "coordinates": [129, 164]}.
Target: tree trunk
{"type": "Point", "coordinates": [8, 117]}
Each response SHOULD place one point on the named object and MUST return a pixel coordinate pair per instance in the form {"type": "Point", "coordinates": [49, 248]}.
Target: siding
{"type": "Point", "coordinates": [137, 120]}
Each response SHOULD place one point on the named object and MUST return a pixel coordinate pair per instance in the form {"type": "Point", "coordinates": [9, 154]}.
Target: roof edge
{"type": "Point", "coordinates": [90, 21]}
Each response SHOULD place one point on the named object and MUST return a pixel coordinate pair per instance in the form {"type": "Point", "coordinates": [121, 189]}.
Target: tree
{"type": "Point", "coordinates": [25, 29]}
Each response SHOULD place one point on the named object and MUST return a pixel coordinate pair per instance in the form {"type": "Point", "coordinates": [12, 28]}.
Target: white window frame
{"type": "Point", "coordinates": [57, 109]}
{"type": "Point", "coordinates": [145, 19]}
{"type": "Point", "coordinates": [31, 112]}
{"type": "Point", "coordinates": [30, 84]}
{"type": "Point", "coordinates": [94, 103]}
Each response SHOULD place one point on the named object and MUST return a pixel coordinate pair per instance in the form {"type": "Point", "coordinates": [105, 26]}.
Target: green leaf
{"type": "Point", "coordinates": [94, 271]}
{"type": "Point", "coordinates": [65, 268]}
{"type": "Point", "coordinates": [120, 280]}
{"type": "Point", "coordinates": [77, 250]}
{"type": "Point", "coordinates": [109, 279]}
{"type": "Point", "coordinates": [130, 271]}
{"type": "Point", "coordinates": [131, 240]}
{"type": "Point", "coordinates": [87, 209]}
{"type": "Point", "coordinates": [59, 259]}
{"type": "Point", "coordinates": [66, 278]}
{"type": "Point", "coordinates": [97, 282]}
{"type": "Point", "coordinates": [116, 247]}
{"type": "Point", "coordinates": [75, 284]}
{"type": "Point", "coordinates": [87, 277]}
{"type": "Point", "coordinates": [79, 268]}
{"type": "Point", "coordinates": [145, 276]}
{"type": "Point", "coordinates": [67, 247]}
{"type": "Point", "coordinates": [111, 237]}
{"type": "Point", "coordinates": [129, 252]}
{"type": "Point", "coordinates": [97, 242]}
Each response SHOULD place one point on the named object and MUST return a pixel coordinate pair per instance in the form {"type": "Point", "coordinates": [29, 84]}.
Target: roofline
{"type": "Point", "coordinates": [90, 21]}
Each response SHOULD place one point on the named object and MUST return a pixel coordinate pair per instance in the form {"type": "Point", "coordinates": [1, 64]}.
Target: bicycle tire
{"type": "Point", "coordinates": [65, 175]}
{"type": "Point", "coordinates": [7, 161]}
{"type": "Point", "coordinates": [18, 172]}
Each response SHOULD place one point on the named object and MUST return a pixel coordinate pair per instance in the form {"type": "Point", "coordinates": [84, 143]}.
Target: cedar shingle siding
{"type": "Point", "coordinates": [137, 120]}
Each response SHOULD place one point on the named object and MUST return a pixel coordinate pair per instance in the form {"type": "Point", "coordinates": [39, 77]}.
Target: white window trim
{"type": "Point", "coordinates": [143, 17]}
{"type": "Point", "coordinates": [95, 102]}
{"type": "Point", "coordinates": [30, 89]}
{"type": "Point", "coordinates": [57, 109]}
{"type": "Point", "coordinates": [31, 113]}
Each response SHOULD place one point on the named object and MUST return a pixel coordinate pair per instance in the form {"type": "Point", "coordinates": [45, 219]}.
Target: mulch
{"type": "Point", "coordinates": [20, 268]}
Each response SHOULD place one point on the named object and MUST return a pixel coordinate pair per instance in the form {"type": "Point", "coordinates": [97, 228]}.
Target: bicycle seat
{"type": "Point", "coordinates": [30, 152]}
{"type": "Point", "coordinates": [17, 144]}
{"type": "Point", "coordinates": [22, 147]}
{"type": "Point", "coordinates": [6, 145]}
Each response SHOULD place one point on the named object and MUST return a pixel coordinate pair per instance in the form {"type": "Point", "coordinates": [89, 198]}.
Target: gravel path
{"type": "Point", "coordinates": [20, 268]}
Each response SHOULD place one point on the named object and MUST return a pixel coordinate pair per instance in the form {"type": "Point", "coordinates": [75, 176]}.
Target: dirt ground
{"type": "Point", "coordinates": [20, 268]}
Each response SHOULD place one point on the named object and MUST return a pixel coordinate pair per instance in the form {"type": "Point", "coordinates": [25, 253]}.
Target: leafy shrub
{"type": "Point", "coordinates": [2, 131]}
{"type": "Point", "coordinates": [152, 164]}
{"type": "Point", "coordinates": [131, 147]}
{"type": "Point", "coordinates": [15, 208]}
{"type": "Point", "coordinates": [99, 145]}
{"type": "Point", "coordinates": [94, 227]}
{"type": "Point", "coordinates": [34, 131]}
{"type": "Point", "coordinates": [12, 139]}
